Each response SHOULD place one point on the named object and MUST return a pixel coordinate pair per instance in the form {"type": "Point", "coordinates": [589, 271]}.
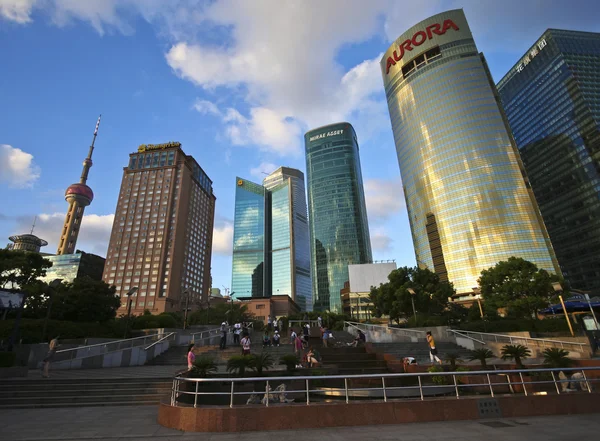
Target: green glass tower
{"type": "Point", "coordinates": [338, 225]}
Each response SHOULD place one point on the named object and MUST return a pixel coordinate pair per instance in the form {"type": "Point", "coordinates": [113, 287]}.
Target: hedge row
{"type": "Point", "coordinates": [31, 330]}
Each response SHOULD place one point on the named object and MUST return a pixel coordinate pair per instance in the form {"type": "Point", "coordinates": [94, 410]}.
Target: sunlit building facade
{"type": "Point", "coordinates": [339, 229]}
{"type": "Point", "coordinates": [468, 198]}
{"type": "Point", "coordinates": [271, 250]}
{"type": "Point", "coordinates": [552, 101]}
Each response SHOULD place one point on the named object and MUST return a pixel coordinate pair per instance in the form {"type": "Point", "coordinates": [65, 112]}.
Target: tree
{"type": "Point", "coordinates": [203, 366]}
{"type": "Point", "coordinates": [85, 300]}
{"type": "Point", "coordinates": [453, 358]}
{"type": "Point", "coordinates": [557, 358]}
{"type": "Point", "coordinates": [19, 269]}
{"type": "Point", "coordinates": [517, 353]}
{"type": "Point", "coordinates": [517, 284]}
{"type": "Point", "coordinates": [218, 313]}
{"type": "Point", "coordinates": [239, 364]}
{"type": "Point", "coordinates": [262, 361]}
{"type": "Point", "coordinates": [394, 299]}
{"type": "Point", "coordinates": [481, 354]}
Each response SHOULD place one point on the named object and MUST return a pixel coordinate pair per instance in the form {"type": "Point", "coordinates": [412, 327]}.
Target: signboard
{"type": "Point", "coordinates": [11, 300]}
{"type": "Point", "coordinates": [326, 134]}
{"type": "Point", "coordinates": [145, 147]}
{"type": "Point", "coordinates": [531, 54]}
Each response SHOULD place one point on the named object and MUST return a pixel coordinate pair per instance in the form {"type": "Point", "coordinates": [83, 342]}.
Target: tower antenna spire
{"type": "Point", "coordinates": [33, 226]}
{"type": "Point", "coordinates": [87, 163]}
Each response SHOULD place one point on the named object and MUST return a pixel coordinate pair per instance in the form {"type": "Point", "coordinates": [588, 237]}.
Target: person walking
{"type": "Point", "coordinates": [237, 330]}
{"type": "Point", "coordinates": [325, 337]}
{"type": "Point", "coordinates": [246, 344]}
{"type": "Point", "coordinates": [432, 350]}
{"type": "Point", "coordinates": [52, 348]}
{"type": "Point", "coordinates": [191, 357]}
{"type": "Point", "coordinates": [297, 344]}
{"type": "Point", "coordinates": [320, 321]}
{"type": "Point", "coordinates": [223, 343]}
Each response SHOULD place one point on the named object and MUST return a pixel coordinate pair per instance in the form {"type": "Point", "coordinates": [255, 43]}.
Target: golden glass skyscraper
{"type": "Point", "coordinates": [469, 202]}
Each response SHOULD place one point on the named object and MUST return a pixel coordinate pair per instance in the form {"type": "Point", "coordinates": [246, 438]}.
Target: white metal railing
{"type": "Point", "coordinates": [209, 334]}
{"type": "Point", "coordinates": [384, 386]}
{"type": "Point", "coordinates": [166, 337]}
{"type": "Point", "coordinates": [103, 348]}
{"type": "Point", "coordinates": [525, 341]}
{"type": "Point", "coordinates": [462, 334]}
{"type": "Point", "coordinates": [414, 333]}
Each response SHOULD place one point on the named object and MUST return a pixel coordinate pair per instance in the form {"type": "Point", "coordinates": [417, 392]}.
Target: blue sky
{"type": "Point", "coordinates": [237, 83]}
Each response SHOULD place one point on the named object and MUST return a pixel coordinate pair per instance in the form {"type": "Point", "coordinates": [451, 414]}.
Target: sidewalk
{"type": "Point", "coordinates": [138, 423]}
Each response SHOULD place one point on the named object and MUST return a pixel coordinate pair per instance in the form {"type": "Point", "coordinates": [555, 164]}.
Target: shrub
{"type": "Point", "coordinates": [482, 355]}
{"type": "Point", "coordinates": [517, 353]}
{"type": "Point", "coordinates": [557, 358]}
{"type": "Point", "coordinates": [437, 379]}
{"type": "Point", "coordinates": [262, 361]}
{"type": "Point", "coordinates": [453, 358]}
{"type": "Point", "coordinates": [203, 366]}
{"type": "Point", "coordinates": [290, 361]}
{"type": "Point", "coordinates": [7, 359]}
{"type": "Point", "coordinates": [239, 364]}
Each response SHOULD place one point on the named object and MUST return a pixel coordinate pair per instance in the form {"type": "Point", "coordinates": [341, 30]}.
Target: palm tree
{"type": "Point", "coordinates": [516, 352]}
{"type": "Point", "coordinates": [290, 361]}
{"type": "Point", "coordinates": [239, 364]}
{"type": "Point", "coordinates": [203, 366]}
{"type": "Point", "coordinates": [481, 354]}
{"type": "Point", "coordinates": [453, 358]}
{"type": "Point", "coordinates": [557, 358]}
{"type": "Point", "coordinates": [264, 360]}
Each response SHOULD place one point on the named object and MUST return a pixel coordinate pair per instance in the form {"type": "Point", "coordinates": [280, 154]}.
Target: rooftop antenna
{"type": "Point", "coordinates": [33, 226]}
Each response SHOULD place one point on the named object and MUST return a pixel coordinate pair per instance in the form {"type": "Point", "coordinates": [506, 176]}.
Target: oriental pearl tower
{"type": "Point", "coordinates": [78, 196]}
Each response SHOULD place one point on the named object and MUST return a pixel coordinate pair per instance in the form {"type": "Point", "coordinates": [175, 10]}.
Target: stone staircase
{"type": "Point", "coordinates": [83, 392]}
{"type": "Point", "coordinates": [420, 350]}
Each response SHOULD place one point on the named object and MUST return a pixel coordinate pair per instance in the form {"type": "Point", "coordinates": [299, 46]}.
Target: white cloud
{"type": "Point", "coordinates": [18, 11]}
{"type": "Point", "coordinates": [223, 238]}
{"type": "Point", "coordinates": [207, 108]}
{"type": "Point", "coordinates": [380, 240]}
{"type": "Point", "coordinates": [17, 167]}
{"type": "Point", "coordinates": [93, 237]}
{"type": "Point", "coordinates": [264, 167]}
{"type": "Point", "coordinates": [384, 198]}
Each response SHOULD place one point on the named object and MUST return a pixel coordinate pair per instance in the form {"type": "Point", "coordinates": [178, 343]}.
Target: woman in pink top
{"type": "Point", "coordinates": [191, 357]}
{"type": "Point", "coordinates": [298, 345]}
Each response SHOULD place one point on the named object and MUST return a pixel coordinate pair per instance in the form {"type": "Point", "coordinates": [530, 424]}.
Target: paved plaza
{"type": "Point", "coordinates": [139, 423]}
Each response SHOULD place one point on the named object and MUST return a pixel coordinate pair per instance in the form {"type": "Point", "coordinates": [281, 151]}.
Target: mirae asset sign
{"type": "Point", "coordinates": [325, 135]}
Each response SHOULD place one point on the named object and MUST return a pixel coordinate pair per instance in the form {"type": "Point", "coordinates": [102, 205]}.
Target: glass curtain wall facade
{"type": "Point", "coordinates": [290, 243]}
{"type": "Point", "coordinates": [251, 265]}
{"type": "Point", "coordinates": [467, 195]}
{"type": "Point", "coordinates": [339, 229]}
{"type": "Point", "coordinates": [552, 102]}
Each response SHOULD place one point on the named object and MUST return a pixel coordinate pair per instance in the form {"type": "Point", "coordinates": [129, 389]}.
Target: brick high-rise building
{"type": "Point", "coordinates": [161, 239]}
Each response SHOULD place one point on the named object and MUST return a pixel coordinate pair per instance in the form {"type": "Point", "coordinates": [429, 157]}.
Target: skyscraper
{"type": "Point", "coordinates": [78, 196]}
{"type": "Point", "coordinates": [468, 198]}
{"type": "Point", "coordinates": [339, 229]}
{"type": "Point", "coordinates": [270, 240]}
{"type": "Point", "coordinates": [161, 239]}
{"type": "Point", "coordinates": [552, 101]}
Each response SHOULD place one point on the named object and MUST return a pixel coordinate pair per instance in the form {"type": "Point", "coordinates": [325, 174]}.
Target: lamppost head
{"type": "Point", "coordinates": [411, 291]}
{"type": "Point", "coordinates": [132, 291]}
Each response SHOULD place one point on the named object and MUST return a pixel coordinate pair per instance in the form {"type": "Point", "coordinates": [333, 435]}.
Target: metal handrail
{"type": "Point", "coordinates": [466, 336]}
{"type": "Point", "coordinates": [452, 387]}
{"type": "Point", "coordinates": [512, 338]}
{"type": "Point", "coordinates": [109, 343]}
{"type": "Point", "coordinates": [385, 328]}
{"type": "Point", "coordinates": [158, 341]}
{"type": "Point", "coordinates": [193, 335]}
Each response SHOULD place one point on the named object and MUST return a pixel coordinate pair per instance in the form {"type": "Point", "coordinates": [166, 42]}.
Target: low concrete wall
{"type": "Point", "coordinates": [253, 418]}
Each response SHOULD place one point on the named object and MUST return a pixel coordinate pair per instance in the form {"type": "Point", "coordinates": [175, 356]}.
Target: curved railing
{"type": "Point", "coordinates": [402, 332]}
{"type": "Point", "coordinates": [103, 348]}
{"type": "Point", "coordinates": [515, 339]}
{"type": "Point", "coordinates": [384, 386]}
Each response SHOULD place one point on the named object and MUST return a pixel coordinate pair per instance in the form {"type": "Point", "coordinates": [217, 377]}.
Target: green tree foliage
{"type": "Point", "coordinates": [557, 358]}
{"type": "Point", "coordinates": [517, 284]}
{"type": "Point", "coordinates": [517, 353]}
{"type": "Point", "coordinates": [218, 313]}
{"type": "Point", "coordinates": [262, 361]}
{"type": "Point", "coordinates": [481, 355]}
{"type": "Point", "coordinates": [164, 320]}
{"type": "Point", "coordinates": [452, 358]}
{"type": "Point", "coordinates": [19, 269]}
{"type": "Point", "coordinates": [85, 300]}
{"type": "Point", "coordinates": [290, 361]}
{"type": "Point", "coordinates": [204, 366]}
{"type": "Point", "coordinates": [393, 298]}
{"type": "Point", "coordinates": [239, 364]}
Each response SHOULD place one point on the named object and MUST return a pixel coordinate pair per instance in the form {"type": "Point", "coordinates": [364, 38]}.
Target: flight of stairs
{"type": "Point", "coordinates": [420, 350]}
{"type": "Point", "coordinates": [83, 392]}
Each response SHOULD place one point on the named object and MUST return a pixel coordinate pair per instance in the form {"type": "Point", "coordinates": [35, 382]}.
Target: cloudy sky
{"type": "Point", "coordinates": [236, 82]}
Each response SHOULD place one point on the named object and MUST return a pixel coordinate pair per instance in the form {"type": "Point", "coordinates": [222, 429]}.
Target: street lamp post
{"type": "Point", "coordinates": [131, 292]}
{"type": "Point", "coordinates": [412, 299]}
{"type": "Point", "coordinates": [53, 286]}
{"type": "Point", "coordinates": [186, 294]}
{"type": "Point", "coordinates": [558, 288]}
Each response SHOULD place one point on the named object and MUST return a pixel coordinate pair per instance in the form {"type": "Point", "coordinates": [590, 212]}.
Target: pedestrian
{"type": "Point", "coordinates": [191, 357]}
{"type": "Point", "coordinates": [266, 339]}
{"type": "Point", "coordinates": [223, 344]}
{"type": "Point", "coordinates": [325, 337]}
{"type": "Point", "coordinates": [311, 358]}
{"type": "Point", "coordinates": [246, 344]}
{"type": "Point", "coordinates": [432, 350]}
{"type": "Point", "coordinates": [237, 330]}
{"type": "Point", "coordinates": [276, 338]}
{"type": "Point", "coordinates": [320, 321]}
{"type": "Point", "coordinates": [52, 348]}
{"type": "Point", "coordinates": [297, 344]}
{"type": "Point", "coordinates": [269, 323]}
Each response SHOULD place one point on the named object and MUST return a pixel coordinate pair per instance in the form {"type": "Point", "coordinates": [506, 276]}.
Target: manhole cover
{"type": "Point", "coordinates": [496, 424]}
{"type": "Point", "coordinates": [488, 408]}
